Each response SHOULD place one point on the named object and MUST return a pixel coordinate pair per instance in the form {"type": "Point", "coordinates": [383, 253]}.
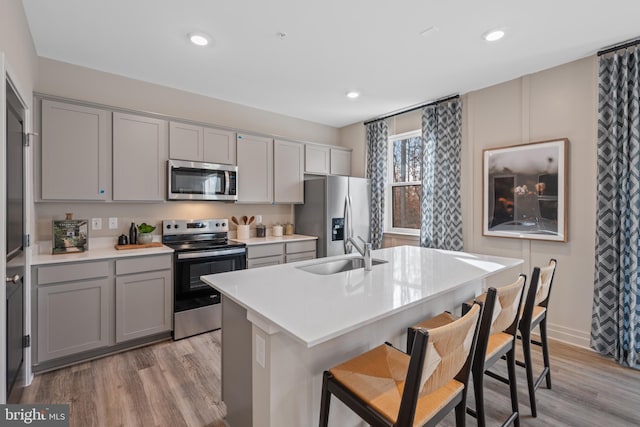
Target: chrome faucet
{"type": "Point", "coordinates": [365, 251]}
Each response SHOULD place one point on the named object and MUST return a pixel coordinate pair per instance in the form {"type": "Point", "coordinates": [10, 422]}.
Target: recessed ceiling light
{"type": "Point", "coordinates": [352, 94]}
{"type": "Point", "coordinates": [493, 35]}
{"type": "Point", "coordinates": [199, 39]}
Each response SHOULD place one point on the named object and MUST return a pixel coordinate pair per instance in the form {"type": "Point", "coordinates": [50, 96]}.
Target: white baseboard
{"type": "Point", "coordinates": [569, 336]}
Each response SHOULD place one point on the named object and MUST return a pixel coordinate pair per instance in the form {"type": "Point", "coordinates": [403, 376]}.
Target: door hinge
{"type": "Point", "coordinates": [26, 341]}
{"type": "Point", "coordinates": [27, 241]}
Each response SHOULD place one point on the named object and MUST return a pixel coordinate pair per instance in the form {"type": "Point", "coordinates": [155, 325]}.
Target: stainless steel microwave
{"type": "Point", "coordinates": [201, 181]}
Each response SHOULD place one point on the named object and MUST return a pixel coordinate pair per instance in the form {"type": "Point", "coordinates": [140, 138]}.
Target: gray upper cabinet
{"type": "Point", "coordinates": [75, 152]}
{"type": "Point", "coordinates": [340, 162]}
{"type": "Point", "coordinates": [317, 159]}
{"type": "Point", "coordinates": [185, 141]}
{"type": "Point", "coordinates": [201, 144]}
{"type": "Point", "coordinates": [219, 146]}
{"type": "Point", "coordinates": [255, 169]}
{"type": "Point", "coordinates": [288, 172]}
{"type": "Point", "coordinates": [139, 157]}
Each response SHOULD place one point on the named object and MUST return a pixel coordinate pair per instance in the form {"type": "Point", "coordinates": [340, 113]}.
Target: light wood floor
{"type": "Point", "coordinates": [178, 384]}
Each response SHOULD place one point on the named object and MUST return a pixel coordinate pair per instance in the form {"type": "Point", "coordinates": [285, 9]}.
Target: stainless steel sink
{"type": "Point", "coordinates": [338, 265]}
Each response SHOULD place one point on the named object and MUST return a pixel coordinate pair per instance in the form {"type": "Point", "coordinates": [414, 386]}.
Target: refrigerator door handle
{"type": "Point", "coordinates": [350, 218]}
{"type": "Point", "coordinates": [347, 224]}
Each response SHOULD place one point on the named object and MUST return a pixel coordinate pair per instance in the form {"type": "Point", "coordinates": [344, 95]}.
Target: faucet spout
{"type": "Point", "coordinates": [365, 251]}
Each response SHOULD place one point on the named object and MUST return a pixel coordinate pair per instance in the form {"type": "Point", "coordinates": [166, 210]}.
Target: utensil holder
{"type": "Point", "coordinates": [277, 231]}
{"type": "Point", "coordinates": [243, 231]}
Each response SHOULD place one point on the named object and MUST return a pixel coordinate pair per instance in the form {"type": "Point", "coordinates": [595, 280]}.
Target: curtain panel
{"type": "Point", "coordinates": [441, 210]}
{"type": "Point", "coordinates": [615, 328]}
{"type": "Point", "coordinates": [377, 135]}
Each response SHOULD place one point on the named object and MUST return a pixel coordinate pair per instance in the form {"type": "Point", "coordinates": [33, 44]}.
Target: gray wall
{"type": "Point", "coordinates": [555, 103]}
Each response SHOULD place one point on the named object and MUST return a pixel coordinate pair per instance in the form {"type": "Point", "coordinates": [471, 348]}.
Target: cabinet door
{"type": "Point", "coordinates": [75, 152]}
{"type": "Point", "coordinates": [139, 157]}
{"type": "Point", "coordinates": [288, 172]}
{"type": "Point", "coordinates": [185, 142]}
{"type": "Point", "coordinates": [143, 304]}
{"type": "Point", "coordinates": [73, 317]}
{"type": "Point", "coordinates": [265, 261]}
{"type": "Point", "coordinates": [340, 162]}
{"type": "Point", "coordinates": [255, 169]}
{"type": "Point", "coordinates": [317, 159]}
{"type": "Point", "coordinates": [219, 146]}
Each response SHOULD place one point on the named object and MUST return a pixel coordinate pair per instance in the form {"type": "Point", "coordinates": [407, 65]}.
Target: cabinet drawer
{"type": "Point", "coordinates": [301, 256]}
{"type": "Point", "coordinates": [265, 250]}
{"type": "Point", "coordinates": [265, 261]}
{"type": "Point", "coordinates": [306, 246]}
{"type": "Point", "coordinates": [142, 264]}
{"type": "Point", "coordinates": [72, 272]}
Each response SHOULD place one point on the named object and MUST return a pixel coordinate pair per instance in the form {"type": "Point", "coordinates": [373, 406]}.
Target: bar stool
{"type": "Point", "coordinates": [534, 313]}
{"type": "Point", "coordinates": [387, 387]}
{"type": "Point", "coordinates": [496, 339]}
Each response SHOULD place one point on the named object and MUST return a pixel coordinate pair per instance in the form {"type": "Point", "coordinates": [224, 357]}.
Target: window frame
{"type": "Point", "coordinates": [388, 215]}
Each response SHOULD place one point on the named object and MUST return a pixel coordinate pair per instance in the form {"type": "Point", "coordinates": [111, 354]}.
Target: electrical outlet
{"type": "Point", "coordinates": [96, 223]}
{"type": "Point", "coordinates": [113, 223]}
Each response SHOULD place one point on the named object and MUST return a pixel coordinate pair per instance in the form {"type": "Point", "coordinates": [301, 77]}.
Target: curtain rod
{"type": "Point", "coordinates": [417, 107]}
{"type": "Point", "coordinates": [620, 46]}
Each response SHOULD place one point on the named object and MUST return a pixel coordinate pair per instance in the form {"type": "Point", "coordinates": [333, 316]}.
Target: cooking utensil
{"type": "Point", "coordinates": [251, 219]}
{"type": "Point", "coordinates": [244, 219]}
{"type": "Point", "coordinates": [234, 220]}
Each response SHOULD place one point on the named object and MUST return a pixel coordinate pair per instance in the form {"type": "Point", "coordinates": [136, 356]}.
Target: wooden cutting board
{"type": "Point", "coordinates": [146, 245]}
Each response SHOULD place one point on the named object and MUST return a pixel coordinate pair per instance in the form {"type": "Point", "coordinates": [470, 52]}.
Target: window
{"type": "Point", "coordinates": [404, 183]}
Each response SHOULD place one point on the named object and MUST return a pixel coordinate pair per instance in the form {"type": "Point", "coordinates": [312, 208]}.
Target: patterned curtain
{"type": "Point", "coordinates": [441, 211]}
{"type": "Point", "coordinates": [615, 326]}
{"type": "Point", "coordinates": [377, 134]}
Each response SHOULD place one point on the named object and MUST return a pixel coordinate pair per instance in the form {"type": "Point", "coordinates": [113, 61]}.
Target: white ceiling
{"type": "Point", "coordinates": [331, 47]}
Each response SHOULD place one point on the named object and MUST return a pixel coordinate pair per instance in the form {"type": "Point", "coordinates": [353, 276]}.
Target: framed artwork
{"type": "Point", "coordinates": [525, 191]}
{"type": "Point", "coordinates": [70, 236]}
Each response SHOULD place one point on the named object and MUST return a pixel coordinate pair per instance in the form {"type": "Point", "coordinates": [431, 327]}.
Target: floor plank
{"type": "Point", "coordinates": [177, 383]}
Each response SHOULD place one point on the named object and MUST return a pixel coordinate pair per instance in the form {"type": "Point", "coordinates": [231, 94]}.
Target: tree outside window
{"type": "Point", "coordinates": [405, 182]}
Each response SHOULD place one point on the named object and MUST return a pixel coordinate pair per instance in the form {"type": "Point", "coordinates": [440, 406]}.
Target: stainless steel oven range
{"type": "Point", "coordinates": [201, 247]}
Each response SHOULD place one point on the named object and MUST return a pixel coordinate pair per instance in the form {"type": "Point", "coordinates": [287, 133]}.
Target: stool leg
{"type": "Point", "coordinates": [526, 349]}
{"type": "Point", "coordinates": [326, 400]}
{"type": "Point", "coordinates": [545, 349]}
{"type": "Point", "coordinates": [513, 388]}
{"type": "Point", "coordinates": [478, 391]}
{"type": "Point", "coordinates": [461, 414]}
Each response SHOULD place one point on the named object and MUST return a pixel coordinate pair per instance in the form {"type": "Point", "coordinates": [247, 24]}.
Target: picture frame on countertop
{"type": "Point", "coordinates": [70, 236]}
{"type": "Point", "coordinates": [525, 191]}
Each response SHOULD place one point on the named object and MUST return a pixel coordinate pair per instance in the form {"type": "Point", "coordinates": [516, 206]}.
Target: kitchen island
{"type": "Point", "coordinates": [283, 326]}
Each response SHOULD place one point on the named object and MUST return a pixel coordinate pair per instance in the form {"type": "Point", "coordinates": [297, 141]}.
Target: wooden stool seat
{"type": "Point", "coordinates": [377, 378]}
{"type": "Point", "coordinates": [387, 387]}
{"type": "Point", "coordinates": [497, 343]}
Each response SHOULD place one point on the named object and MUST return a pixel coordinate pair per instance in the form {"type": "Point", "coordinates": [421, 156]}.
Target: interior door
{"type": "Point", "coordinates": [14, 231]}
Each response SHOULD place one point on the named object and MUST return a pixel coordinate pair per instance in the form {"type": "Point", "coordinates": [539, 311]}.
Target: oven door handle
{"type": "Point", "coordinates": [208, 254]}
{"type": "Point", "coordinates": [226, 182]}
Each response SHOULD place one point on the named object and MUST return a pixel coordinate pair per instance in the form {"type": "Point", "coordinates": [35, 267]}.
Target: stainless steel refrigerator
{"type": "Point", "coordinates": [335, 208]}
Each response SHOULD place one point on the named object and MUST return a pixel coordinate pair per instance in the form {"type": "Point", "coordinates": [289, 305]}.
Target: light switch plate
{"type": "Point", "coordinates": [96, 223]}
{"type": "Point", "coordinates": [113, 223]}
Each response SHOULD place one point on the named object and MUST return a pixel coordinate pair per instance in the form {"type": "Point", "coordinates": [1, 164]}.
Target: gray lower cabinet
{"type": "Point", "coordinates": [143, 296]}
{"type": "Point", "coordinates": [84, 306]}
{"type": "Point", "coordinates": [280, 253]}
{"type": "Point", "coordinates": [74, 317]}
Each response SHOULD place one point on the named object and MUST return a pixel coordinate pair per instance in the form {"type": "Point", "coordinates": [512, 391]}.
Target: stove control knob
{"type": "Point", "coordinates": [217, 224]}
{"type": "Point", "coordinates": [168, 226]}
{"type": "Point", "coordinates": [176, 226]}
{"type": "Point", "coordinates": [224, 224]}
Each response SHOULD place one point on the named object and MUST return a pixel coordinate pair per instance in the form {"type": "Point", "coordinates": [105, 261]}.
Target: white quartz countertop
{"type": "Point", "coordinates": [272, 239]}
{"type": "Point", "coordinates": [316, 308]}
{"type": "Point", "coordinates": [99, 249]}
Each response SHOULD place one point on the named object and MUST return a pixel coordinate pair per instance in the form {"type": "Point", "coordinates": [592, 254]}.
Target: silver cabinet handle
{"type": "Point", "coordinates": [14, 279]}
